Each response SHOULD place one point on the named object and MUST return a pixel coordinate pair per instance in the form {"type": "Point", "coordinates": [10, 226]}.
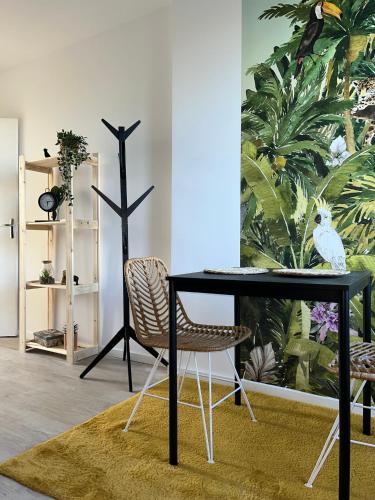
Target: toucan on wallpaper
{"type": "Point", "coordinates": [308, 158]}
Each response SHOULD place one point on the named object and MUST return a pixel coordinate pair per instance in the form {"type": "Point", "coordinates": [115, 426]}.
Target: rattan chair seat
{"type": "Point", "coordinates": [149, 300]}
{"type": "Point", "coordinates": [201, 338]}
{"type": "Point", "coordinates": [362, 361]}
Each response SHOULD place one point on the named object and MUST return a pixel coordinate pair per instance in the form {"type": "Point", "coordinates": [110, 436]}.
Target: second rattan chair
{"type": "Point", "coordinates": [148, 295]}
{"type": "Point", "coordinates": [362, 367]}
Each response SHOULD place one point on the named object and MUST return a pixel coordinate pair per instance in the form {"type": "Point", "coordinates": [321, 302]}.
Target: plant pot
{"type": "Point", "coordinates": [46, 275]}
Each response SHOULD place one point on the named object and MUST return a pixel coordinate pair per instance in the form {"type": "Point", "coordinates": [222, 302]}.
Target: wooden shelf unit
{"type": "Point", "coordinates": [48, 225]}
{"type": "Point", "coordinates": [82, 352]}
{"type": "Point", "coordinates": [49, 166]}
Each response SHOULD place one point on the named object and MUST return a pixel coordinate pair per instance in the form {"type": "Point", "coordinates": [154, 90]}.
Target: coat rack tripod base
{"type": "Point", "coordinates": [120, 335]}
{"type": "Point", "coordinates": [126, 332]}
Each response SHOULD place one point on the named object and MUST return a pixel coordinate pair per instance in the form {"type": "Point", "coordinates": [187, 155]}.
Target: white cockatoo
{"type": "Point", "coordinates": [327, 241]}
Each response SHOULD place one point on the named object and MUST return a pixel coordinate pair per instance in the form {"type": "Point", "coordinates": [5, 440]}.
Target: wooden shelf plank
{"type": "Point", "coordinates": [83, 351]}
{"type": "Point", "coordinates": [45, 165]}
{"type": "Point", "coordinates": [44, 226]}
{"type": "Point", "coordinates": [47, 225]}
{"type": "Point", "coordinates": [42, 166]}
{"type": "Point", "coordinates": [36, 284]}
{"type": "Point", "coordinates": [77, 289]}
{"type": "Point", "coordinates": [30, 344]}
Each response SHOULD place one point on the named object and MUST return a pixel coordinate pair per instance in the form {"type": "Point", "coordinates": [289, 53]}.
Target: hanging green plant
{"type": "Point", "coordinates": [72, 153]}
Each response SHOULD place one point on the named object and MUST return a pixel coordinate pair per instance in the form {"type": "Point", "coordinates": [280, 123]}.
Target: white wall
{"type": "Point", "coordinates": [122, 75]}
{"type": "Point", "coordinates": [206, 102]}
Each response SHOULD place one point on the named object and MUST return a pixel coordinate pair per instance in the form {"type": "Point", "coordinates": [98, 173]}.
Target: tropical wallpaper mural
{"type": "Point", "coordinates": [308, 144]}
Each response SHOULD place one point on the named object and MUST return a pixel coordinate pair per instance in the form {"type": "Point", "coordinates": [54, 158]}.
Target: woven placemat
{"type": "Point", "coordinates": [317, 273]}
{"type": "Point", "coordinates": [237, 270]}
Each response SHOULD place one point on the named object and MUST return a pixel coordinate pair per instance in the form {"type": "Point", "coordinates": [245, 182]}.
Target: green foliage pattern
{"type": "Point", "coordinates": [291, 131]}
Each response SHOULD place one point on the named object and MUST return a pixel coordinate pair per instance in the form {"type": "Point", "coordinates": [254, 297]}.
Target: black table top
{"type": "Point", "coordinates": [272, 285]}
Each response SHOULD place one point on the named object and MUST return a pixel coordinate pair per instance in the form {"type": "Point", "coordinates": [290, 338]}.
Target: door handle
{"type": "Point", "coordinates": [11, 227]}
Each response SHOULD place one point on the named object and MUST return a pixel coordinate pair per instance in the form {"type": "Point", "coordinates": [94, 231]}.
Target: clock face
{"type": "Point", "coordinates": [48, 202]}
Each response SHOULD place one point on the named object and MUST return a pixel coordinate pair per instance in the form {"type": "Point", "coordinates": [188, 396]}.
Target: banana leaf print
{"type": "Point", "coordinates": [303, 143]}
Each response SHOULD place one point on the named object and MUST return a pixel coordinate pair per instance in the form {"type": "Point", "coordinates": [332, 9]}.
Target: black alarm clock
{"type": "Point", "coordinates": [49, 203]}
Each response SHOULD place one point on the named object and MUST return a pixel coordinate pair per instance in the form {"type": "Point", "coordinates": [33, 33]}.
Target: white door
{"type": "Point", "coordinates": [8, 227]}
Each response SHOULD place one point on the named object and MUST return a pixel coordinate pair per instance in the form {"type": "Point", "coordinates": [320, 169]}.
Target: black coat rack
{"type": "Point", "coordinates": [126, 332]}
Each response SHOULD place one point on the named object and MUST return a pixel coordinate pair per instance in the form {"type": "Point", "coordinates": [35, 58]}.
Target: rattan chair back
{"type": "Point", "coordinates": [362, 361]}
{"type": "Point", "coordinates": [149, 298]}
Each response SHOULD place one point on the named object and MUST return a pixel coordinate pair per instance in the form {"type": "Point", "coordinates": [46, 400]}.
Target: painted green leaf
{"type": "Point", "coordinates": [305, 320]}
{"type": "Point", "coordinates": [331, 186]}
{"type": "Point", "coordinates": [259, 259]}
{"type": "Point", "coordinates": [361, 263]}
{"type": "Point", "coordinates": [276, 201]}
{"type": "Point", "coordinates": [301, 146]}
{"type": "Point", "coordinates": [302, 348]}
{"type": "Point", "coordinates": [325, 355]}
{"type": "Point", "coordinates": [310, 348]}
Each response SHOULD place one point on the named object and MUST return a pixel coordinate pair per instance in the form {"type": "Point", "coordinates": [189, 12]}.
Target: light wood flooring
{"type": "Point", "coordinates": [41, 396]}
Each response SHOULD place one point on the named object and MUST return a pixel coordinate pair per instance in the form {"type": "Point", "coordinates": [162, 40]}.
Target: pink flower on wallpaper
{"type": "Point", "coordinates": [333, 322]}
{"type": "Point", "coordinates": [325, 315]}
{"type": "Point", "coordinates": [318, 314]}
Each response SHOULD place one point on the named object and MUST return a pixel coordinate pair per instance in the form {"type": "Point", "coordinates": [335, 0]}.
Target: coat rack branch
{"type": "Point", "coordinates": [126, 332]}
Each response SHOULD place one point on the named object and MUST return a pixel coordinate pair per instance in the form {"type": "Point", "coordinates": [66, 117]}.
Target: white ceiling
{"type": "Point", "coordinates": [32, 28]}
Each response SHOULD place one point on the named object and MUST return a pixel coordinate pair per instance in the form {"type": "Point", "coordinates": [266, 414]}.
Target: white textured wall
{"type": "Point", "coordinates": [206, 102]}
{"type": "Point", "coordinates": [122, 75]}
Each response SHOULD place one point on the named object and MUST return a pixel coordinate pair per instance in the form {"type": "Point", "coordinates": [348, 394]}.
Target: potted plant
{"type": "Point", "coordinates": [46, 275]}
{"type": "Point", "coordinates": [71, 154]}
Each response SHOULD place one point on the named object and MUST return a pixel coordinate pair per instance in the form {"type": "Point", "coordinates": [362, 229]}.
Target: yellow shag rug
{"type": "Point", "coordinates": [269, 459]}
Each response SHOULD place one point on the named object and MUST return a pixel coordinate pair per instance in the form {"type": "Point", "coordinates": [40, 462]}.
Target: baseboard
{"type": "Point", "coordinates": [270, 390]}
{"type": "Point", "coordinates": [292, 394]}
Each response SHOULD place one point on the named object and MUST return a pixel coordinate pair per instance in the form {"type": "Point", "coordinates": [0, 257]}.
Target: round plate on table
{"type": "Point", "coordinates": [237, 270]}
{"type": "Point", "coordinates": [312, 273]}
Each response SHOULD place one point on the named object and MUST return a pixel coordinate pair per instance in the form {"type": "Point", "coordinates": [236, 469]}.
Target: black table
{"type": "Point", "coordinates": [339, 290]}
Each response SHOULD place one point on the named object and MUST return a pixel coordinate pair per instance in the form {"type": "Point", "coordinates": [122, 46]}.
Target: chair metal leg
{"type": "Point", "coordinates": [328, 445]}
{"type": "Point", "coordinates": [179, 370]}
{"type": "Point", "coordinates": [147, 384]}
{"type": "Point", "coordinates": [211, 454]}
{"type": "Point", "coordinates": [183, 375]}
{"type": "Point", "coordinates": [239, 381]}
{"type": "Point", "coordinates": [330, 441]}
{"type": "Point", "coordinates": [202, 408]}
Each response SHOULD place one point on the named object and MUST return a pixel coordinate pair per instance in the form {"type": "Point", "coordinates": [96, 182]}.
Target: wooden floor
{"type": "Point", "coordinates": [41, 396]}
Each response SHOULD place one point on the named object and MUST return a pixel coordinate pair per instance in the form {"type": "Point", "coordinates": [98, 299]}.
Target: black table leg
{"type": "Point", "coordinates": [237, 349]}
{"type": "Point", "coordinates": [344, 404]}
{"type": "Point", "coordinates": [127, 342]}
{"type": "Point", "coordinates": [367, 338]}
{"type": "Point", "coordinates": [173, 458]}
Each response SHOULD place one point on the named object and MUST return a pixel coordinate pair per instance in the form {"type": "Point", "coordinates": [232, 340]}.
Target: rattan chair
{"type": "Point", "coordinates": [148, 295]}
{"type": "Point", "coordinates": [362, 367]}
